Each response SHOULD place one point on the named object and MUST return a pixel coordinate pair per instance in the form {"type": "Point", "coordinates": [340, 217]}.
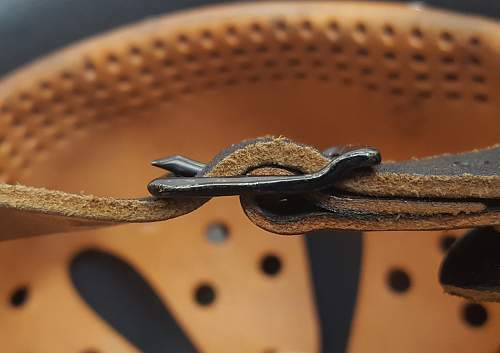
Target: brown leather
{"type": "Point", "coordinates": [196, 82]}
{"type": "Point", "coordinates": [462, 176]}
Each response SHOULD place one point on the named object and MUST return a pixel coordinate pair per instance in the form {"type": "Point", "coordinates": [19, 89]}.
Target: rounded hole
{"type": "Point", "coordinates": [418, 57]}
{"type": "Point", "coordinates": [359, 34]}
{"type": "Point", "coordinates": [390, 55]}
{"type": "Point", "coordinates": [398, 280]}
{"type": "Point", "coordinates": [447, 59]}
{"type": "Point", "coordinates": [475, 60]}
{"type": "Point", "coordinates": [424, 94]}
{"type": "Point", "coordinates": [393, 75]}
{"type": "Point", "coordinates": [336, 49]}
{"type": "Point", "coordinates": [479, 79]}
{"type": "Point", "coordinates": [204, 294]}
{"type": "Point", "coordinates": [360, 28]}
{"type": "Point", "coordinates": [342, 66]}
{"type": "Point", "coordinates": [262, 49]}
{"type": "Point", "coordinates": [112, 59]}
{"type": "Point", "coordinates": [256, 32]}
{"type": "Point", "coordinates": [333, 31]}
{"type": "Point", "coordinates": [453, 95]}
{"type": "Point", "coordinates": [158, 44]}
{"type": "Point", "coordinates": [217, 233]}
{"type": "Point", "coordinates": [190, 58]}
{"type": "Point", "coordinates": [366, 71]}
{"type": "Point", "coordinates": [363, 52]}
{"type": "Point", "coordinates": [135, 50]}
{"type": "Point", "coordinates": [270, 265]}
{"type": "Point", "coordinates": [446, 37]}
{"type": "Point", "coordinates": [474, 314]}
{"type": "Point", "coordinates": [239, 51]}
{"type": "Point", "coordinates": [281, 25]}
{"type": "Point", "coordinates": [475, 41]}
{"type": "Point", "coordinates": [446, 242]}
{"type": "Point", "coordinates": [388, 31]}
{"type": "Point", "coordinates": [270, 63]}
{"type": "Point", "coordinates": [306, 27]}
{"type": "Point", "coordinates": [422, 77]}
{"type": "Point", "coordinates": [417, 34]}
{"type": "Point", "coordinates": [451, 77]}
{"type": "Point", "coordinates": [481, 97]}
{"type": "Point", "coordinates": [396, 91]}
{"type": "Point", "coordinates": [183, 39]}
{"type": "Point", "coordinates": [311, 48]}
{"type": "Point", "coordinates": [19, 296]}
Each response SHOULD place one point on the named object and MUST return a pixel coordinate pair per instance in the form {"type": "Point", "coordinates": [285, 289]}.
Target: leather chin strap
{"type": "Point", "coordinates": [442, 192]}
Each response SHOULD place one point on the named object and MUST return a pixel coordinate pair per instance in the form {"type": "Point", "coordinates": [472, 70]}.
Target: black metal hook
{"type": "Point", "coordinates": [186, 184]}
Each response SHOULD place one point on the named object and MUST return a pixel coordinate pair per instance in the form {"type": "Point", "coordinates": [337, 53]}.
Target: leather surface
{"type": "Point", "coordinates": [196, 116]}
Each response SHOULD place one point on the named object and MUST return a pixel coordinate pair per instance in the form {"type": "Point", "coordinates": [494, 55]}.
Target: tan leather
{"type": "Point", "coordinates": [196, 82]}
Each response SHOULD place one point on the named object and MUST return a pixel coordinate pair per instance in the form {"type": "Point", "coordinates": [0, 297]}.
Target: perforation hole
{"type": "Point", "coordinates": [474, 315]}
{"type": "Point", "coordinates": [416, 37]}
{"type": "Point", "coordinates": [90, 73]}
{"type": "Point", "coordinates": [113, 64]}
{"type": "Point", "coordinates": [204, 294]}
{"type": "Point", "coordinates": [286, 47]}
{"type": "Point", "coordinates": [388, 32]}
{"type": "Point", "coordinates": [362, 52]}
{"type": "Point", "coordinates": [398, 280]}
{"type": "Point", "coordinates": [396, 91]}
{"type": "Point", "coordinates": [453, 95]}
{"type": "Point", "coordinates": [232, 36]}
{"type": "Point", "coordinates": [474, 60]}
{"type": "Point", "coordinates": [390, 56]}
{"type": "Point", "coordinates": [479, 79]}
{"type": "Point", "coordinates": [360, 32]}
{"type": "Point", "coordinates": [183, 42]}
{"type": "Point", "coordinates": [336, 49]}
{"type": "Point", "coordinates": [418, 58]}
{"type": "Point", "coordinates": [446, 40]}
{"type": "Point", "coordinates": [256, 32]}
{"type": "Point", "coordinates": [19, 297]}
{"type": "Point", "coordinates": [393, 76]}
{"type": "Point", "coordinates": [475, 42]}
{"type": "Point", "coordinates": [481, 98]}
{"type": "Point", "coordinates": [333, 31]}
{"type": "Point", "coordinates": [422, 77]}
{"type": "Point", "coordinates": [448, 60]}
{"type": "Point", "coordinates": [271, 265]}
{"type": "Point", "coordinates": [425, 94]}
{"type": "Point", "coordinates": [452, 77]}
{"type": "Point", "coordinates": [306, 29]}
{"type": "Point", "coordinates": [281, 30]}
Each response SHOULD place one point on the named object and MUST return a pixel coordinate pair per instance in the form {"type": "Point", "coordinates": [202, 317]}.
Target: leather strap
{"type": "Point", "coordinates": [450, 191]}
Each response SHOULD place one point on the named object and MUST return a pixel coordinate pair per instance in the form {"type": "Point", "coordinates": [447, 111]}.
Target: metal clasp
{"type": "Point", "coordinates": [186, 179]}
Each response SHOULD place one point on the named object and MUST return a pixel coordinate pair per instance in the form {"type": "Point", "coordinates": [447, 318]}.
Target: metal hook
{"type": "Point", "coordinates": [187, 185]}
